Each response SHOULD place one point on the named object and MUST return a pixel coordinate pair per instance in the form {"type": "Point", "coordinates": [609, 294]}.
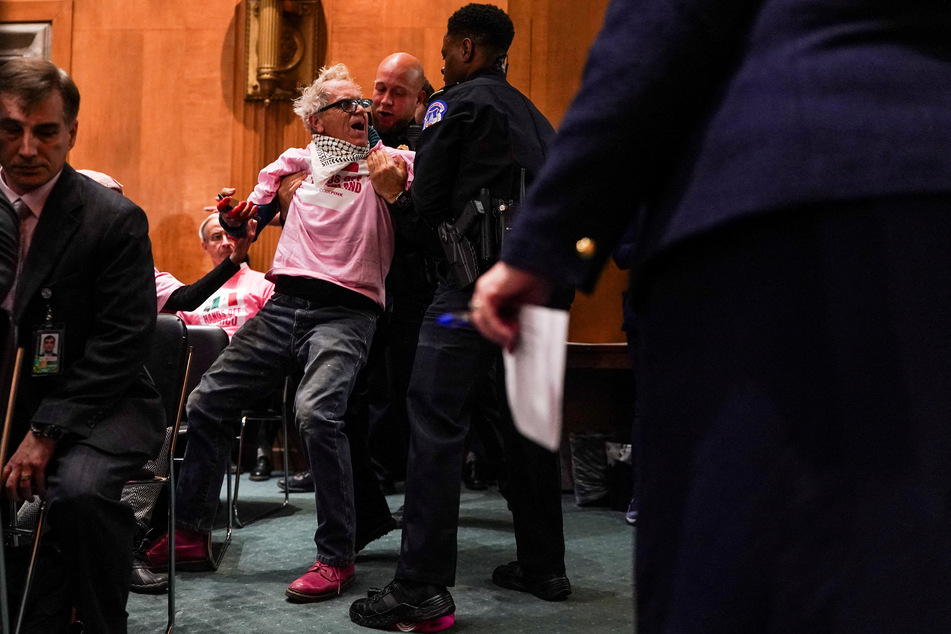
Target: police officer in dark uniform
{"type": "Point", "coordinates": [479, 132]}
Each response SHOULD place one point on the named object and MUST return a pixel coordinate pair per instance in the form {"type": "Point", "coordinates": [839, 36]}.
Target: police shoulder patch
{"type": "Point", "coordinates": [434, 113]}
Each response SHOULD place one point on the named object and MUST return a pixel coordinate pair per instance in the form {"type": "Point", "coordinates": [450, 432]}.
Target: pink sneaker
{"type": "Point", "coordinates": [320, 582]}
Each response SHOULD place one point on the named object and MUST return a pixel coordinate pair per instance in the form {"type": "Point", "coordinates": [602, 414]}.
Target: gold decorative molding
{"type": "Point", "coordinates": [281, 48]}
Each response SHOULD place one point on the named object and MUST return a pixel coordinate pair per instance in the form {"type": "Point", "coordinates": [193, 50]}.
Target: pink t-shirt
{"type": "Point", "coordinates": [165, 285]}
{"type": "Point", "coordinates": [338, 230]}
{"type": "Point", "coordinates": [235, 302]}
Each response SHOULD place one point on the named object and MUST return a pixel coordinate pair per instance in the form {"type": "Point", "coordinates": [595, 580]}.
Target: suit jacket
{"type": "Point", "coordinates": [90, 267]}
{"type": "Point", "coordinates": [9, 244]}
{"type": "Point", "coordinates": [696, 113]}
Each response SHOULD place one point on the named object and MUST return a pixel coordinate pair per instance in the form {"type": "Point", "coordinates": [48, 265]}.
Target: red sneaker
{"type": "Point", "coordinates": [192, 552]}
{"type": "Point", "coordinates": [320, 582]}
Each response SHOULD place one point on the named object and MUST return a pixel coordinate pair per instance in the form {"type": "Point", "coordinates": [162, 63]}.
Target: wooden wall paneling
{"type": "Point", "coordinates": [561, 33]}
{"type": "Point", "coordinates": [361, 34]}
{"type": "Point", "coordinates": [57, 12]}
{"type": "Point", "coordinates": [155, 113]}
{"type": "Point", "coordinates": [595, 318]}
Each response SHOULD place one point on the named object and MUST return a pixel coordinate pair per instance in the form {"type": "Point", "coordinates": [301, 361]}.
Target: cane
{"type": "Point", "coordinates": [7, 420]}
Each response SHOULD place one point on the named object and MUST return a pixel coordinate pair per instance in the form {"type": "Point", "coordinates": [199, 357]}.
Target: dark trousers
{"type": "Point", "coordinates": [391, 365]}
{"type": "Point", "coordinates": [796, 424]}
{"type": "Point", "coordinates": [370, 507]}
{"type": "Point", "coordinates": [86, 555]}
{"type": "Point", "coordinates": [450, 368]}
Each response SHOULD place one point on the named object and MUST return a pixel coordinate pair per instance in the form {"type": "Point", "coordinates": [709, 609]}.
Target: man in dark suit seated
{"type": "Point", "coordinates": [82, 430]}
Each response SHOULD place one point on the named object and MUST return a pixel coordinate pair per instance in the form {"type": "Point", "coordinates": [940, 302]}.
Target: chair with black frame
{"type": "Point", "coordinates": [207, 343]}
{"type": "Point", "coordinates": [277, 412]}
{"type": "Point", "coordinates": [168, 364]}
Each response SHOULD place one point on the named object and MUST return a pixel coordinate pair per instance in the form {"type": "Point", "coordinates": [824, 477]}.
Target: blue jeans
{"type": "Point", "coordinates": [330, 344]}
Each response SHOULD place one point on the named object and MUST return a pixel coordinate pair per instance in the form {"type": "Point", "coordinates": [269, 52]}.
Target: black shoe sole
{"type": "Point", "coordinates": [152, 588]}
{"type": "Point", "coordinates": [294, 489]}
{"type": "Point", "coordinates": [432, 608]}
{"type": "Point", "coordinates": [259, 477]}
{"type": "Point", "coordinates": [557, 589]}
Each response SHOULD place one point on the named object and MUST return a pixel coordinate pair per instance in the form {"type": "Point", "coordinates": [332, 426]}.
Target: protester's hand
{"type": "Point", "coordinates": [25, 473]}
{"type": "Point", "coordinates": [387, 174]}
{"type": "Point", "coordinates": [285, 193]}
{"type": "Point", "coordinates": [499, 294]}
{"type": "Point", "coordinates": [235, 214]}
{"type": "Point", "coordinates": [242, 244]}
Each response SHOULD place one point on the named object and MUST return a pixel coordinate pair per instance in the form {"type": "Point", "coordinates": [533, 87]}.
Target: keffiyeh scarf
{"type": "Point", "coordinates": [328, 155]}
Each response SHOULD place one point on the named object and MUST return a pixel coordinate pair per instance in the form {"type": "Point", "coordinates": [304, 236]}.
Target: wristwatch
{"type": "Point", "coordinates": [403, 201]}
{"type": "Point", "coordinates": [46, 431]}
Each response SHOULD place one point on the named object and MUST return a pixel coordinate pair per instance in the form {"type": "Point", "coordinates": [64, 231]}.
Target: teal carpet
{"type": "Point", "coordinates": [246, 594]}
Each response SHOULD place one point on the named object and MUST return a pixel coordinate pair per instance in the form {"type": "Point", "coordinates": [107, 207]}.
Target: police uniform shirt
{"type": "Point", "coordinates": [477, 134]}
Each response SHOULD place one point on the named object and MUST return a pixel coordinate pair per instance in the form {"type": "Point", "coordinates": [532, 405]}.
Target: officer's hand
{"type": "Point", "coordinates": [387, 174]}
{"type": "Point", "coordinates": [25, 473]}
{"type": "Point", "coordinates": [499, 294]}
{"type": "Point", "coordinates": [285, 193]}
{"type": "Point", "coordinates": [242, 244]}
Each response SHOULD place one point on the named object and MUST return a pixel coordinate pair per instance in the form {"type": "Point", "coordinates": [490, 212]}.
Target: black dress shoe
{"type": "Point", "coordinates": [408, 604]}
{"type": "Point", "coordinates": [145, 581]}
{"type": "Point", "coordinates": [363, 538]}
{"type": "Point", "coordinates": [549, 587]}
{"type": "Point", "coordinates": [302, 482]}
{"type": "Point", "coordinates": [472, 476]}
{"type": "Point", "coordinates": [262, 470]}
{"type": "Point", "coordinates": [387, 487]}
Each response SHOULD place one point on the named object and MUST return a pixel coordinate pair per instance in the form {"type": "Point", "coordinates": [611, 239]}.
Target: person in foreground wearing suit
{"type": "Point", "coordinates": [82, 431]}
{"type": "Point", "coordinates": [788, 165]}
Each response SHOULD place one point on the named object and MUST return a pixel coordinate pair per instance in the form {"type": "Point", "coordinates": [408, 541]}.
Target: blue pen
{"type": "Point", "coordinates": [455, 319]}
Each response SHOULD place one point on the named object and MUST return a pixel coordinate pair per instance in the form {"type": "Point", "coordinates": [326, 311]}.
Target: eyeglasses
{"type": "Point", "coordinates": [350, 106]}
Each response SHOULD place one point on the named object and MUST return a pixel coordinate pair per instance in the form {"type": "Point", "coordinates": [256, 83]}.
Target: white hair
{"type": "Point", "coordinates": [201, 227]}
{"type": "Point", "coordinates": [313, 97]}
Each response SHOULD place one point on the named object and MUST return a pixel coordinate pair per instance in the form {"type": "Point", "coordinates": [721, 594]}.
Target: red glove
{"type": "Point", "coordinates": [228, 207]}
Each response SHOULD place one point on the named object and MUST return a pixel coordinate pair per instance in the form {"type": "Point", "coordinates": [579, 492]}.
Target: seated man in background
{"type": "Point", "coordinates": [174, 296]}
{"type": "Point", "coordinates": [329, 268]}
{"type": "Point", "coordinates": [238, 299]}
{"type": "Point", "coordinates": [230, 306]}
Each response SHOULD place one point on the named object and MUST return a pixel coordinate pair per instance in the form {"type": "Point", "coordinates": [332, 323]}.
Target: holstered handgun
{"type": "Point", "coordinates": [473, 240]}
{"type": "Point", "coordinates": [460, 249]}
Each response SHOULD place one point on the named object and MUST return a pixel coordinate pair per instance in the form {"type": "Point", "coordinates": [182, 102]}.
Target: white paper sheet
{"type": "Point", "coordinates": [535, 374]}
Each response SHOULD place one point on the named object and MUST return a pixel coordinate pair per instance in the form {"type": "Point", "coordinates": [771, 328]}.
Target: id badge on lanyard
{"type": "Point", "coordinates": [48, 343]}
